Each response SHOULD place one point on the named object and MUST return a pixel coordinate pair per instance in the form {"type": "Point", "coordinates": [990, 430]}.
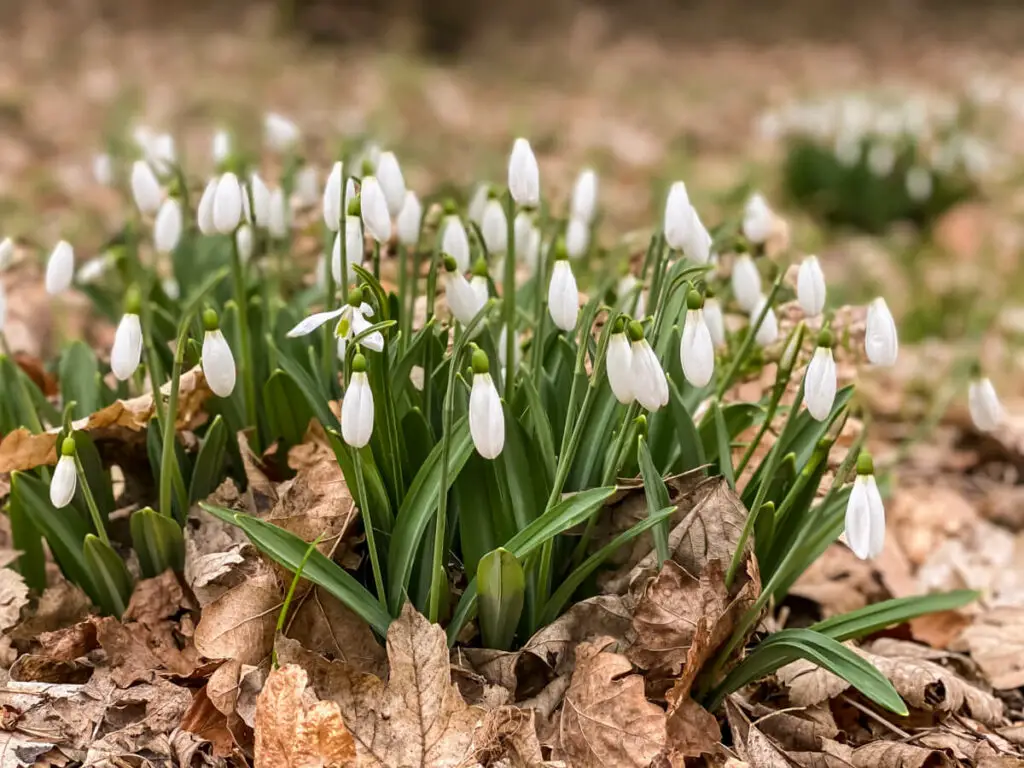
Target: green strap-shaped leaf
{"type": "Point", "coordinates": [657, 496]}
{"type": "Point", "coordinates": [79, 380]}
{"type": "Point", "coordinates": [209, 467]}
{"type": "Point", "coordinates": [502, 585]}
{"type": "Point", "coordinates": [890, 613]}
{"type": "Point", "coordinates": [114, 584]}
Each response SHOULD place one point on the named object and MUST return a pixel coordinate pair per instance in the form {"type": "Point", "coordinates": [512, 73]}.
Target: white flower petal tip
{"type": "Point", "coordinates": [983, 403]}
{"type": "Point", "coordinates": [810, 287]}
{"type": "Point", "coordinates": [619, 365]}
{"type": "Point", "coordinates": [218, 364]}
{"type": "Point", "coordinates": [464, 300]}
{"type": "Point", "coordinates": [280, 133]}
{"type": "Point", "coordinates": [357, 411]}
{"type": "Point", "coordinates": [455, 242]}
{"type": "Point", "coordinates": [167, 227]}
{"type": "Point", "coordinates": [127, 350]}
{"type": "Point", "coordinates": [64, 482]}
{"type": "Point", "coordinates": [677, 216]}
{"type": "Point", "coordinates": [865, 519]}
{"type": "Point", "coordinates": [60, 269]}
{"type": "Point", "coordinates": [523, 174]}
{"type": "Point", "coordinates": [820, 384]}
{"type": "Point", "coordinates": [881, 342]}
{"type": "Point", "coordinates": [697, 349]}
{"type": "Point", "coordinates": [389, 174]}
{"type": "Point", "coordinates": [409, 219]}
{"type": "Point", "coordinates": [374, 207]}
{"type": "Point", "coordinates": [309, 324]}
{"type": "Point", "coordinates": [758, 219]}
{"type": "Point", "coordinates": [494, 227]}
{"type": "Point", "coordinates": [746, 282]}
{"type": "Point", "coordinates": [584, 197]}
{"type": "Point", "coordinates": [715, 321]}
{"type": "Point", "coordinates": [768, 331]}
{"type": "Point", "coordinates": [204, 213]}
{"type": "Point", "coordinates": [227, 204]}
{"type": "Point", "coordinates": [486, 417]}
{"type": "Point", "coordinates": [332, 203]}
{"type": "Point", "coordinates": [146, 189]}
{"type": "Point", "coordinates": [563, 296]}
{"type": "Point", "coordinates": [650, 386]}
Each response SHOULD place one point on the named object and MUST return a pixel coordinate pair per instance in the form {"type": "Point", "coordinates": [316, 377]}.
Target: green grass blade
{"type": "Point", "coordinates": [889, 613]}
{"type": "Point", "coordinates": [657, 496]}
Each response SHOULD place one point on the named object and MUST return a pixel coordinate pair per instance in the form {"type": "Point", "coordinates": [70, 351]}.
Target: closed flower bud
{"type": "Point", "coordinates": [103, 169]}
{"type": "Point", "coordinates": [353, 250]}
{"type": "Point", "coordinates": [880, 340]}
{"type": "Point", "coordinates": [146, 189]}
{"type": "Point", "coordinates": [260, 201]}
{"type": "Point", "coordinates": [357, 406]}
{"type": "Point", "coordinates": [220, 146]}
{"type": "Point", "coordinates": [758, 219]}
{"type": "Point", "coordinates": [698, 240]}
{"type": "Point", "coordinates": [244, 242]}
{"type": "Point", "coordinates": [677, 216]}
{"type": "Point", "coordinates": [307, 192]}
{"type": "Point", "coordinates": [563, 296]}
{"type": "Point", "coordinates": [93, 269]}
{"type": "Point", "coordinates": [463, 299]}
{"type": "Point", "coordinates": [494, 228]}
{"type": "Point", "coordinates": [486, 417]}
{"type": "Point", "coordinates": [167, 227]}
{"type": "Point", "coordinates": [60, 269]}
{"type": "Point", "coordinates": [577, 238]}
{"type": "Point", "coordinates": [746, 282]}
{"type": "Point", "coordinates": [281, 134]}
{"type": "Point", "coordinates": [820, 379]}
{"type": "Point", "coordinates": [527, 240]}
{"type": "Point", "coordinates": [218, 362]}
{"type": "Point", "coordinates": [227, 204]}
{"type": "Point", "coordinates": [65, 476]}
{"type": "Point", "coordinates": [204, 214]}
{"type": "Point", "coordinates": [374, 207]}
{"type": "Point", "coordinates": [584, 197]}
{"type": "Point", "coordinates": [455, 243]}
{"type": "Point", "coordinates": [477, 203]}
{"type": "Point", "coordinates": [810, 287]}
{"type": "Point", "coordinates": [332, 198]}
{"type": "Point", "coordinates": [696, 349]}
{"type": "Point", "coordinates": [986, 411]}
{"type": "Point", "coordinates": [715, 321]}
{"type": "Point", "coordinates": [389, 174]}
{"type": "Point", "coordinates": [881, 159]}
{"type": "Point", "coordinates": [865, 513]}
{"type": "Point", "coordinates": [768, 331]}
{"type": "Point", "coordinates": [6, 253]}
{"type": "Point", "coordinates": [408, 222]}
{"type": "Point", "coordinates": [278, 224]}
{"type": "Point", "coordinates": [650, 386]}
{"type": "Point", "coordinates": [619, 364]}
{"type": "Point", "coordinates": [127, 350]}
{"type": "Point", "coordinates": [523, 174]}
{"type": "Point", "coordinates": [171, 288]}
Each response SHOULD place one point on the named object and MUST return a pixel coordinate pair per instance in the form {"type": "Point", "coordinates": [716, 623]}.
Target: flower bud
{"type": "Point", "coordinates": [696, 349]}
{"type": "Point", "coordinates": [357, 406]}
{"type": "Point", "coordinates": [280, 133]}
{"type": "Point", "coordinates": [60, 269]}
{"type": "Point", "coordinates": [278, 224]}
{"type": "Point", "coordinates": [758, 219]}
{"type": "Point", "coordinates": [103, 169]}
{"type": "Point", "coordinates": [146, 189]}
{"type": "Point", "coordinates": [65, 476]}
{"type": "Point", "coordinates": [494, 228]}
{"type": "Point", "coordinates": [523, 174]}
{"type": "Point", "coordinates": [746, 282]}
{"type": "Point", "coordinates": [768, 331]}
{"type": "Point", "coordinates": [260, 200]}
{"type": "Point", "coordinates": [983, 403]}
{"type": "Point", "coordinates": [204, 214]}
{"type": "Point", "coordinates": [374, 208]}
{"type": "Point", "coordinates": [167, 227]}
{"type": "Point", "coordinates": [127, 350]}
{"type": "Point", "coordinates": [389, 174]}
{"type": "Point", "coordinates": [563, 296]}
{"type": "Point", "coordinates": [577, 238]}
{"type": "Point", "coordinates": [820, 383]}
{"type": "Point", "coordinates": [810, 287]}
{"type": "Point", "coordinates": [486, 417]}
{"type": "Point", "coordinates": [218, 361]}
{"type": "Point", "coordinates": [455, 243]}
{"type": "Point", "coordinates": [584, 197]}
{"type": "Point", "coordinates": [332, 198]}
{"type": "Point", "coordinates": [244, 242]}
{"type": "Point", "coordinates": [865, 513]}
{"type": "Point", "coordinates": [618, 364]}
{"type": "Point", "coordinates": [220, 146]}
{"type": "Point", "coordinates": [227, 204]}
{"type": "Point", "coordinates": [880, 340]}
{"type": "Point", "coordinates": [678, 220]}
{"type": "Point", "coordinates": [715, 322]}
{"type": "Point", "coordinates": [409, 218]}
{"type": "Point", "coordinates": [650, 386]}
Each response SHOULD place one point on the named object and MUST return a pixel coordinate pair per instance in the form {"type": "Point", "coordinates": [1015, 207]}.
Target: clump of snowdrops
{"type": "Point", "coordinates": [488, 414]}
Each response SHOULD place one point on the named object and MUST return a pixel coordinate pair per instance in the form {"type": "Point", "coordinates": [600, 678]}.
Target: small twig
{"type": "Point", "coordinates": [876, 717]}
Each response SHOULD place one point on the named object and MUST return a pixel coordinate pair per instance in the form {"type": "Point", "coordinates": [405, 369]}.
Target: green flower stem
{"type": "Point", "coordinates": [328, 351]}
{"type": "Point", "coordinates": [414, 287]}
{"type": "Point", "coordinates": [371, 543]}
{"type": "Point", "coordinates": [90, 501]}
{"type": "Point", "coordinates": [403, 291]}
{"type": "Point", "coordinates": [540, 282]}
{"type": "Point", "coordinates": [283, 615]}
{"type": "Point", "coordinates": [509, 297]}
{"type": "Point", "coordinates": [660, 267]}
{"type": "Point", "coordinates": [653, 247]}
{"type": "Point", "coordinates": [376, 259]}
{"type": "Point", "coordinates": [748, 342]}
{"type": "Point", "coordinates": [168, 461]}
{"type": "Point", "coordinates": [248, 370]}
{"type": "Point", "coordinates": [428, 352]}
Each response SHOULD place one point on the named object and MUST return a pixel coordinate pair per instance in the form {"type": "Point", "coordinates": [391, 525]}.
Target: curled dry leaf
{"type": "Point", "coordinates": [213, 547]}
{"type": "Point", "coordinates": [996, 642]}
{"type": "Point", "coordinates": [896, 754]}
{"type": "Point", "coordinates": [13, 597]}
{"type": "Point", "coordinates": [753, 746]}
{"type": "Point", "coordinates": [121, 421]}
{"type": "Point", "coordinates": [60, 606]}
{"type": "Point", "coordinates": [606, 719]}
{"type": "Point", "coordinates": [293, 730]}
{"type": "Point", "coordinates": [691, 731]}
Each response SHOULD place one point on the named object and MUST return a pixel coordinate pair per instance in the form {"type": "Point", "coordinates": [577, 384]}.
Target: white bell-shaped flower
{"type": "Point", "coordinates": [162, 153]}
{"type": "Point", "coordinates": [715, 321]}
{"type": "Point", "coordinates": [244, 242]}
{"type": "Point", "coordinates": [65, 476]}
{"type": "Point", "coordinates": [218, 362]}
{"type": "Point", "coordinates": [478, 202]}
{"type": "Point", "coordinates": [389, 174]}
{"type": "Point", "coordinates": [408, 221]}
{"type": "Point", "coordinates": [6, 253]}
{"type": "Point", "coordinates": [758, 219]}
{"type": "Point", "coordinates": [280, 133]}
{"type": "Point", "coordinates": [768, 331]}
{"type": "Point", "coordinates": [698, 240]}
{"type": "Point", "coordinates": [486, 417]}
{"type": "Point", "coordinates": [278, 224]}
{"type": "Point", "coordinates": [523, 174]}
{"type": "Point", "coordinates": [820, 379]}
{"type": "Point", "coordinates": [494, 228]}
{"type": "Point", "coordinates": [220, 146]}
{"type": "Point", "coordinates": [93, 269]}
{"type": "Point", "coordinates": [204, 213]}
{"type": "Point", "coordinates": [563, 295]}
{"type": "Point", "coordinates": [746, 282]}
{"type": "Point", "coordinates": [146, 189]}
{"type": "Point", "coordinates": [983, 403]}
{"type": "Point", "coordinates": [619, 364]}
{"type": "Point", "coordinates": [865, 513]}
{"type": "Point", "coordinates": [167, 227]}
{"type": "Point", "coordinates": [374, 208]}
{"type": "Point", "coordinates": [880, 340]}
{"type": "Point", "coordinates": [577, 238]}
{"type": "Point", "coordinates": [353, 250]}
{"type": "Point", "coordinates": [126, 353]}
{"type": "Point", "coordinates": [260, 200]}
{"type": "Point", "coordinates": [454, 241]}
{"type": "Point", "coordinates": [678, 219]}
{"type": "Point", "coordinates": [478, 282]}
{"type": "Point", "coordinates": [527, 236]}
{"type": "Point", "coordinates": [357, 406]}
{"type": "Point", "coordinates": [307, 191]}
{"type": "Point", "coordinates": [650, 386]}
{"type": "Point", "coordinates": [60, 269]}
{"type": "Point", "coordinates": [810, 287]}
{"type": "Point", "coordinates": [696, 348]}
{"type": "Point", "coordinates": [227, 204]}
{"type": "Point", "coordinates": [103, 169]}
{"type": "Point", "coordinates": [332, 197]}
{"type": "Point", "coordinates": [464, 301]}
{"type": "Point", "coordinates": [584, 197]}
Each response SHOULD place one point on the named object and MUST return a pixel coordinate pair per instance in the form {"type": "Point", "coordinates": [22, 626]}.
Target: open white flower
{"type": "Point", "coordinates": [584, 196]}
{"type": "Point", "coordinates": [389, 174]}
{"type": "Point", "coordinates": [820, 379]}
{"type": "Point", "coordinates": [577, 238]}
{"type": "Point", "coordinates": [260, 200]}
{"type": "Point", "coordinates": [204, 214]}
{"type": "Point", "coordinates": [523, 174]}
{"type": "Point", "coordinates": [126, 353]}
{"type": "Point", "coordinates": [678, 220]}
{"type": "Point", "coordinates": [696, 349]}
{"type": "Point", "coordinates": [220, 146]}
{"type": "Point", "coordinates": [280, 133]}
{"type": "Point", "coordinates": [65, 476]}
{"type": "Point", "coordinates": [409, 218]}
{"type": "Point", "coordinates": [715, 321]}
{"type": "Point", "coordinates": [454, 241]}
{"type": "Point", "coordinates": [758, 219]}
{"type": "Point", "coordinates": [619, 364]}
{"type": "Point", "coordinates": [746, 282]}
{"type": "Point", "coordinates": [983, 403]}
{"type": "Point", "coordinates": [880, 340]}
{"type": "Point", "coordinates": [650, 386]}
{"type": "Point", "coordinates": [351, 322]}
{"type": "Point", "coordinates": [357, 406]}
{"type": "Point", "coordinates": [494, 228]}
{"type": "Point", "coordinates": [278, 224]}
{"type": "Point", "coordinates": [563, 296]}
{"type": "Point", "coordinates": [218, 362]}
{"type": "Point", "coordinates": [227, 204]}
{"type": "Point", "coordinates": [60, 269]}
{"type": "Point", "coordinates": [146, 189]}
{"type": "Point", "coordinates": [486, 417]}
{"type": "Point", "coordinates": [865, 513]}
{"type": "Point", "coordinates": [810, 287]}
{"type": "Point", "coordinates": [332, 198]}
{"type": "Point", "coordinates": [768, 331]}
{"type": "Point", "coordinates": [167, 227]}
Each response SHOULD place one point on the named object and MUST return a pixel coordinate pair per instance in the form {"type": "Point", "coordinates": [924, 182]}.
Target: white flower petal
{"type": "Point", "coordinates": [408, 222]}
{"type": "Point", "coordinates": [244, 242]}
{"type": "Point", "coordinates": [696, 349]}
{"type": "Point", "coordinates": [810, 287]}
{"type": "Point", "coordinates": [314, 321]}
{"type": "Point", "coordinates": [64, 482]}
{"type": "Point", "coordinates": [227, 204]}
{"type": "Point", "coordinates": [523, 174]}
{"type": "Point", "coordinates": [60, 269]}
{"type": "Point", "coordinates": [677, 221]}
{"type": "Point", "coordinates": [455, 242]}
{"type": "Point", "coordinates": [374, 341]}
{"type": "Point", "coordinates": [983, 403]}
{"type": "Point", "coordinates": [374, 207]}
{"type": "Point", "coordinates": [127, 350]}
{"type": "Point", "coordinates": [146, 189]}
{"type": "Point", "coordinates": [859, 519]}
{"type": "Point", "coordinates": [768, 331]}
{"type": "Point", "coordinates": [715, 321]}
{"type": "Point", "coordinates": [332, 198]}
{"type": "Point", "coordinates": [650, 387]}
{"type": "Point", "coordinates": [218, 364]}
{"type": "Point", "coordinates": [577, 238]}
{"type": "Point", "coordinates": [167, 227]}
{"type": "Point", "coordinates": [486, 418]}
{"type": "Point", "coordinates": [260, 200]}
{"type": "Point", "coordinates": [563, 296]}
{"type": "Point", "coordinates": [758, 219]}
{"type": "Point", "coordinates": [746, 282]}
{"type": "Point", "coordinates": [880, 340]}
{"type": "Point", "coordinates": [619, 364]}
{"type": "Point", "coordinates": [584, 196]}
{"type": "Point", "coordinates": [820, 384]}
{"type": "Point", "coordinates": [389, 173]}
{"type": "Point", "coordinates": [204, 214]}
{"type": "Point", "coordinates": [357, 411]}
{"type": "Point", "coordinates": [494, 228]}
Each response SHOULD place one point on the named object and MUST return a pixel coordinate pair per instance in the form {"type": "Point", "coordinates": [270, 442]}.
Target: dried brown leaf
{"type": "Point", "coordinates": [753, 745]}
{"type": "Point", "coordinates": [896, 754]}
{"type": "Point", "coordinates": [209, 724]}
{"type": "Point", "coordinates": [996, 642]}
{"type": "Point", "coordinates": [798, 730]}
{"type": "Point", "coordinates": [606, 720]}
{"type": "Point", "coordinates": [31, 667]}
{"type": "Point", "coordinates": [323, 624]}
{"type": "Point", "coordinates": [13, 597]}
{"type": "Point", "coordinates": [691, 731]}
{"type": "Point", "coordinates": [296, 731]}
{"type": "Point", "coordinates": [839, 582]}
{"type": "Point", "coordinates": [69, 643]}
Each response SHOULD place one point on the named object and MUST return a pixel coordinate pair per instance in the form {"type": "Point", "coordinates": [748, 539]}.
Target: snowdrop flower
{"type": "Point", "coordinates": [494, 227]}
{"type": "Point", "coordinates": [746, 282]}
{"type": "Point", "coordinates": [454, 241]}
{"type": "Point", "coordinates": [715, 321]}
{"type": "Point", "coordinates": [65, 476]}
{"type": "Point", "coordinates": [374, 208]}
{"type": "Point", "coordinates": [919, 184]}
{"type": "Point", "coordinates": [392, 182]}
{"type": "Point", "coordinates": [244, 242]}
{"type": "Point", "coordinates": [218, 362]}
{"type": "Point", "coordinates": [332, 198]}
{"type": "Point", "coordinates": [698, 240]}
{"type": "Point", "coordinates": [677, 216]}
{"type": "Point", "coordinates": [145, 187]}
{"type": "Point", "coordinates": [650, 387]}
{"type": "Point", "coordinates": [162, 153]}
{"type": "Point", "coordinates": [260, 200]}
{"type": "Point", "coordinates": [280, 133]}
{"type": "Point", "coordinates": [527, 236]}
{"type": "Point", "coordinates": [278, 223]}
{"type": "Point", "coordinates": [357, 406]}
{"type": "Point", "coordinates": [619, 363]}
{"type": "Point", "coordinates": [353, 250]}
{"type": "Point", "coordinates": [351, 322]}
{"type": "Point", "coordinates": [167, 227]}
{"type": "Point", "coordinates": [478, 202]}
{"type": "Point", "coordinates": [865, 514]}
{"type": "Point", "coordinates": [638, 304]}
{"type": "Point", "coordinates": [6, 253]}
{"type": "Point", "coordinates": [408, 221]}
{"type": "Point", "coordinates": [983, 403]}
{"type": "Point", "coordinates": [880, 341]}
{"type": "Point", "coordinates": [881, 159]}
{"type": "Point", "coordinates": [584, 196]}
{"type": "Point", "coordinates": [768, 331]}
{"type": "Point", "coordinates": [464, 300]}
{"type": "Point", "coordinates": [60, 269]}
{"type": "Point", "coordinates": [204, 213]}
{"type": "Point", "coordinates": [577, 238]}
{"type": "Point", "coordinates": [127, 350]}
{"type": "Point", "coordinates": [486, 417]}
{"type": "Point", "coordinates": [220, 146]}
{"type": "Point", "coordinates": [523, 174]}
{"type": "Point", "coordinates": [93, 269]}
{"type": "Point", "coordinates": [306, 190]}
{"type": "Point", "coordinates": [563, 296]}
{"type": "Point", "coordinates": [103, 169]}
{"type": "Point", "coordinates": [227, 204]}
{"type": "Point", "coordinates": [810, 287]}
{"type": "Point", "coordinates": [758, 219]}
{"type": "Point", "coordinates": [820, 378]}
{"type": "Point", "coordinates": [503, 351]}
{"type": "Point", "coordinates": [696, 349]}
{"type": "Point", "coordinates": [478, 282]}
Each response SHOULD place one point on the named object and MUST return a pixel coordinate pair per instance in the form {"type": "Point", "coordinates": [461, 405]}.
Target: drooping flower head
{"type": "Point", "coordinates": [486, 417]}
{"type": "Point", "coordinates": [696, 348]}
{"type": "Point", "coordinates": [126, 353]}
{"type": "Point", "coordinates": [65, 476]}
{"type": "Point", "coordinates": [218, 361]}
{"type": "Point", "coordinates": [357, 406]}
{"type": "Point", "coordinates": [820, 378]}
{"type": "Point", "coordinates": [865, 513]}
